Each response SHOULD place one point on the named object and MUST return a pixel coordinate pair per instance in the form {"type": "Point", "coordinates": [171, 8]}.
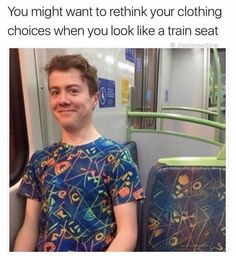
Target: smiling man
{"type": "Point", "coordinates": [81, 191]}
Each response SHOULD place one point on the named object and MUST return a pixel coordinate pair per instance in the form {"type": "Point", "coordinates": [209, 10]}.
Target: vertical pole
{"type": "Point", "coordinates": [219, 89]}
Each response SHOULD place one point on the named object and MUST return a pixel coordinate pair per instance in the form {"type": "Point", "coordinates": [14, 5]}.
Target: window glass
{"type": "Point", "coordinates": [19, 149]}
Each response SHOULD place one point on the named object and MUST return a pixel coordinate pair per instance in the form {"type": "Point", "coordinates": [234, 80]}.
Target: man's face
{"type": "Point", "coordinates": [70, 101]}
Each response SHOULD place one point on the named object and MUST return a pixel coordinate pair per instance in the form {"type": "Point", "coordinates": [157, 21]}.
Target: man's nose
{"type": "Point", "coordinates": [63, 98]}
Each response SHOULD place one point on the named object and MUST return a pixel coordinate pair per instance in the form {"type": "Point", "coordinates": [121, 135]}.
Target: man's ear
{"type": "Point", "coordinates": [96, 99]}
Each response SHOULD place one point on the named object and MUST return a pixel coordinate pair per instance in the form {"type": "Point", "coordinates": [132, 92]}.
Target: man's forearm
{"type": "Point", "coordinates": [26, 240]}
{"type": "Point", "coordinates": [124, 242]}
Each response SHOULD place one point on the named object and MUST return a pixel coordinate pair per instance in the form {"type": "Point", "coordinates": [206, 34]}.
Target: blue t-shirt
{"type": "Point", "coordinates": [78, 187]}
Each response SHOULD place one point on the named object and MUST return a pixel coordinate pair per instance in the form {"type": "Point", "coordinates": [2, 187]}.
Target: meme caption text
{"type": "Point", "coordinates": [140, 15]}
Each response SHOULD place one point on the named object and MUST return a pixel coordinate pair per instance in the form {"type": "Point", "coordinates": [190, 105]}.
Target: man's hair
{"type": "Point", "coordinates": [76, 61]}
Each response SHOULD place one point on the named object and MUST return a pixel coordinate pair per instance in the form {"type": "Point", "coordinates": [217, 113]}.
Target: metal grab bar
{"type": "Point", "coordinates": [179, 117]}
{"type": "Point", "coordinates": [203, 111]}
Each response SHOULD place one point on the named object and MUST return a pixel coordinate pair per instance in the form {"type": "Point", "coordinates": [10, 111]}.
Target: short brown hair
{"type": "Point", "coordinates": [77, 61]}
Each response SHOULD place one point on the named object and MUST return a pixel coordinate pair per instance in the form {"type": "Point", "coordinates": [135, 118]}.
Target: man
{"type": "Point", "coordinates": [82, 191]}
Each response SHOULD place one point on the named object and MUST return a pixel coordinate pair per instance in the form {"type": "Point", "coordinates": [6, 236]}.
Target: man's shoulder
{"type": "Point", "coordinates": [46, 152]}
{"type": "Point", "coordinates": [109, 145]}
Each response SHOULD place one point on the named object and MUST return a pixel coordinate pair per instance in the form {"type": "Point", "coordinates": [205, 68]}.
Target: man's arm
{"type": "Point", "coordinates": [126, 219]}
{"type": "Point", "coordinates": [26, 239]}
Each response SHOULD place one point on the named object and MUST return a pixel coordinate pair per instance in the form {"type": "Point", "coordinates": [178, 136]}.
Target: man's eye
{"type": "Point", "coordinates": [74, 91]}
{"type": "Point", "coordinates": [54, 92]}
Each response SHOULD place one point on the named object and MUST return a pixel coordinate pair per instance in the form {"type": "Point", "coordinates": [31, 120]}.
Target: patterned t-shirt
{"type": "Point", "coordinates": [78, 187]}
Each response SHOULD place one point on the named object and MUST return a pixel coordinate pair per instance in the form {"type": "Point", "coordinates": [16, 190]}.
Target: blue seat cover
{"type": "Point", "coordinates": [184, 209]}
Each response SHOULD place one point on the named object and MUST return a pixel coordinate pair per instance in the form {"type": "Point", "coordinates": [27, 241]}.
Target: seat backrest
{"type": "Point", "coordinates": [132, 147]}
{"type": "Point", "coordinates": [184, 209]}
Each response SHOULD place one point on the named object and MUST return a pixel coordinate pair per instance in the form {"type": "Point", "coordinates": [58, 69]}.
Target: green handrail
{"type": "Point", "coordinates": [197, 110]}
{"type": "Point", "coordinates": [179, 117]}
{"type": "Point", "coordinates": [192, 161]}
{"type": "Point", "coordinates": [219, 87]}
{"type": "Point", "coordinates": [219, 83]}
{"type": "Point", "coordinates": [203, 111]}
{"type": "Point", "coordinates": [172, 133]}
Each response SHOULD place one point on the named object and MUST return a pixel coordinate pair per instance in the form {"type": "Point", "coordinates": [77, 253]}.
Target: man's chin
{"type": "Point", "coordinates": [69, 127]}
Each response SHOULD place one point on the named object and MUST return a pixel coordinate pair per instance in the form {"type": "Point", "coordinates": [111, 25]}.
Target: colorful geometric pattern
{"type": "Point", "coordinates": [185, 209]}
{"type": "Point", "coordinates": [78, 187]}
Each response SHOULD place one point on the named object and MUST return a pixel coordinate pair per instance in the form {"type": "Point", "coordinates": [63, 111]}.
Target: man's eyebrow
{"type": "Point", "coordinates": [73, 85]}
{"type": "Point", "coordinates": [52, 87]}
{"type": "Point", "coordinates": [67, 86]}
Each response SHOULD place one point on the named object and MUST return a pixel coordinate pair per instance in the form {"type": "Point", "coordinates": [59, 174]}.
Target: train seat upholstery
{"type": "Point", "coordinates": [184, 209]}
{"type": "Point", "coordinates": [132, 147]}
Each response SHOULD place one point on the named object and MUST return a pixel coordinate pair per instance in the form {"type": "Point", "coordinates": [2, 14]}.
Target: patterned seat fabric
{"type": "Point", "coordinates": [132, 147]}
{"type": "Point", "coordinates": [185, 209]}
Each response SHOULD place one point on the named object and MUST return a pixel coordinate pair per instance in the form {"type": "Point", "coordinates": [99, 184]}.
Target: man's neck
{"type": "Point", "coordinates": [80, 137]}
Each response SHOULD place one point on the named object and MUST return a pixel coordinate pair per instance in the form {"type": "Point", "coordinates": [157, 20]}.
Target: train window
{"type": "Point", "coordinates": [144, 93]}
{"type": "Point", "coordinates": [19, 148]}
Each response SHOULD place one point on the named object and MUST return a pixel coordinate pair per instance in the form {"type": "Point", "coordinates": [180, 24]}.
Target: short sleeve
{"type": "Point", "coordinates": [125, 185]}
{"type": "Point", "coordinates": [30, 186]}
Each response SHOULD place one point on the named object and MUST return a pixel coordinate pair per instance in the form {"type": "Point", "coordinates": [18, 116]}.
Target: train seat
{"type": "Point", "coordinates": [132, 147]}
{"type": "Point", "coordinates": [184, 209]}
